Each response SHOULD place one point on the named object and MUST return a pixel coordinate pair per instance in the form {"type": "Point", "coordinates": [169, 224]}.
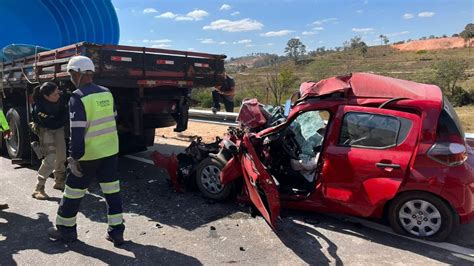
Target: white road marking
{"type": "Point", "coordinates": [442, 245]}
{"type": "Point", "coordinates": [136, 158]}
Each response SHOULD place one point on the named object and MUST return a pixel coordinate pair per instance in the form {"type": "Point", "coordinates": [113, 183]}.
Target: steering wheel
{"type": "Point", "coordinates": [290, 145]}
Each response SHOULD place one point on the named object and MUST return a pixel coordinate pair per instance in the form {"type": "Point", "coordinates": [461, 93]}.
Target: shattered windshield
{"type": "Point", "coordinates": [309, 130]}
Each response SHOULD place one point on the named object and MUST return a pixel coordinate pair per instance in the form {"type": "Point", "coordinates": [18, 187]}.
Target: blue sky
{"type": "Point", "coordinates": [237, 28]}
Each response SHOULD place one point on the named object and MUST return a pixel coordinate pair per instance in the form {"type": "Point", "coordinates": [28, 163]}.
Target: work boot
{"type": "Point", "coordinates": [214, 110]}
{"type": "Point", "coordinates": [59, 181]}
{"type": "Point", "coordinates": [58, 235]}
{"type": "Point", "coordinates": [3, 206]}
{"type": "Point", "coordinates": [39, 193]}
{"type": "Point", "coordinates": [116, 239]}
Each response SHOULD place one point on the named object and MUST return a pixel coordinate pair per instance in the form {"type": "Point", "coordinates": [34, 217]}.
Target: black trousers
{"type": "Point", "coordinates": [227, 100]}
{"type": "Point", "coordinates": [105, 170]}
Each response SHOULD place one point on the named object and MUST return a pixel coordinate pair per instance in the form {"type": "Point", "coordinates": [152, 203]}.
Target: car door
{"type": "Point", "coordinates": [260, 185]}
{"type": "Point", "coordinates": [368, 154]}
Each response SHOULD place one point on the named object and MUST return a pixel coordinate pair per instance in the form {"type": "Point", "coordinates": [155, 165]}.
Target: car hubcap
{"type": "Point", "coordinates": [420, 218]}
{"type": "Point", "coordinates": [210, 179]}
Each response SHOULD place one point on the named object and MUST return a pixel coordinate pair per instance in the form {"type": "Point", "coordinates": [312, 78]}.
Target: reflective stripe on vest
{"type": "Point", "coordinates": [111, 187]}
{"type": "Point", "coordinates": [115, 219]}
{"type": "Point", "coordinates": [101, 139]}
{"type": "Point", "coordinates": [70, 222]}
{"type": "Point", "coordinates": [73, 193]}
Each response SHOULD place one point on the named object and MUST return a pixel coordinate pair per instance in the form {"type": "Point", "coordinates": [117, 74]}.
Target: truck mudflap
{"type": "Point", "coordinates": [182, 115]}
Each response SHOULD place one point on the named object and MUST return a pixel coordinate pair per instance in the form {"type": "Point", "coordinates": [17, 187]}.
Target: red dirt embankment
{"type": "Point", "coordinates": [432, 44]}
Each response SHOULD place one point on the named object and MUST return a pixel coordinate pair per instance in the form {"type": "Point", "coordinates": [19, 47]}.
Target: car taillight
{"type": "Point", "coordinates": [448, 153]}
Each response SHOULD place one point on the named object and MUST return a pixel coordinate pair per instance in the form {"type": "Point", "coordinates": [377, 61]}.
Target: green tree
{"type": "Point", "coordinates": [280, 81]}
{"type": "Point", "coordinates": [383, 39]}
{"type": "Point", "coordinates": [295, 49]}
{"type": "Point", "coordinates": [448, 73]}
{"type": "Point", "coordinates": [467, 34]}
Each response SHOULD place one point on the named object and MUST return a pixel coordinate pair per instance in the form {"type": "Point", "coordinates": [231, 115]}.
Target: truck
{"type": "Point", "coordinates": [151, 88]}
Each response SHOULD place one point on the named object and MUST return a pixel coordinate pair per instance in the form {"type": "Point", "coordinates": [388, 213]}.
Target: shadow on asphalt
{"type": "Point", "coordinates": [299, 232]}
{"type": "Point", "coordinates": [29, 233]}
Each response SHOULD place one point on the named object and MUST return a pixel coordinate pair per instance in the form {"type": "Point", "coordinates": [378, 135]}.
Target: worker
{"type": "Point", "coordinates": [224, 93]}
{"type": "Point", "coordinates": [50, 115]}
{"type": "Point", "coordinates": [93, 153]}
{"type": "Point", "coordinates": [5, 130]}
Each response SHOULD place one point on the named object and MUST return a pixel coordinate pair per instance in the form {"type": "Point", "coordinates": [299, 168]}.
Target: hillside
{"type": "Point", "coordinates": [384, 60]}
{"type": "Point", "coordinates": [432, 44]}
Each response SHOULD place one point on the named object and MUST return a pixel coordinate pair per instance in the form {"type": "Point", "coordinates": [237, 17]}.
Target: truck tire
{"type": "Point", "coordinates": [18, 145]}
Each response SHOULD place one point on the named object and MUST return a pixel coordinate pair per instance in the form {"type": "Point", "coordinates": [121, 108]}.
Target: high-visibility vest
{"type": "Point", "coordinates": [3, 122]}
{"type": "Point", "coordinates": [100, 135]}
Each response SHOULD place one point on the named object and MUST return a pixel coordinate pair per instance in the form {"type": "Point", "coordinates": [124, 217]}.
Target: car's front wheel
{"type": "Point", "coordinates": [422, 215]}
{"type": "Point", "coordinates": [208, 180]}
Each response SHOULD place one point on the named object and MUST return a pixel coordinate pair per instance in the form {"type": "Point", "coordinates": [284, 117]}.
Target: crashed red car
{"type": "Point", "coordinates": [362, 144]}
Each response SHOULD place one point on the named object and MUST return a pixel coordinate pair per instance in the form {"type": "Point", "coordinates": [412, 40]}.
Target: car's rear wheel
{"type": "Point", "coordinates": [422, 215]}
{"type": "Point", "coordinates": [208, 180]}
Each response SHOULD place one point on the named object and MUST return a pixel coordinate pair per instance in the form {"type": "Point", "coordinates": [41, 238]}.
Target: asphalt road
{"type": "Point", "coordinates": [164, 227]}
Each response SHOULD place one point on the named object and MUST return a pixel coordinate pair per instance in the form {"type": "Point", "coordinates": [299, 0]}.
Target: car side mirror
{"type": "Point", "coordinates": [287, 108]}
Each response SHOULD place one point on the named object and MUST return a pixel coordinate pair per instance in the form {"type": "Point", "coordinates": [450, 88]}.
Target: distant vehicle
{"type": "Point", "coordinates": [363, 145]}
{"type": "Point", "coordinates": [151, 88]}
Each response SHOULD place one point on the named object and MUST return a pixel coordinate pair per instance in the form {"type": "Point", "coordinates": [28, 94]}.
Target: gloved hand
{"type": "Point", "coordinates": [75, 167]}
{"type": "Point", "coordinates": [34, 128]}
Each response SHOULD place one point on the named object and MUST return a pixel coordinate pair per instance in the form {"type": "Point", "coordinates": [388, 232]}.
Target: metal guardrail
{"type": "Point", "coordinates": [229, 119]}
{"type": "Point", "coordinates": [205, 116]}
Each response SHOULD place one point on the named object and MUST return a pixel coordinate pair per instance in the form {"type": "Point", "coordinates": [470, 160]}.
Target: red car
{"type": "Point", "coordinates": [363, 145]}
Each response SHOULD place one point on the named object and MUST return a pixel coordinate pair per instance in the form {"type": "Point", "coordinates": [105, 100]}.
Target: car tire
{"type": "Point", "coordinates": [18, 146]}
{"type": "Point", "coordinates": [422, 215]}
{"type": "Point", "coordinates": [208, 181]}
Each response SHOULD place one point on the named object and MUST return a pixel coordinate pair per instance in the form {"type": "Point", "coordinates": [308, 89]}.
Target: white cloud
{"type": "Point", "coordinates": [161, 41]}
{"type": "Point", "coordinates": [249, 45]}
{"type": "Point", "coordinates": [270, 44]}
{"type": "Point", "coordinates": [363, 30]}
{"type": "Point", "coordinates": [197, 14]}
{"type": "Point", "coordinates": [244, 41]}
{"type": "Point", "coordinates": [170, 15]}
{"type": "Point", "coordinates": [145, 41]}
{"type": "Point", "coordinates": [183, 18]}
{"type": "Point", "coordinates": [161, 45]}
{"type": "Point", "coordinates": [191, 16]}
{"type": "Point", "coordinates": [225, 7]}
{"type": "Point", "coordinates": [360, 11]}
{"type": "Point", "coordinates": [276, 33]}
{"type": "Point", "coordinates": [426, 14]}
{"type": "Point", "coordinates": [407, 16]}
{"type": "Point", "coordinates": [152, 30]}
{"type": "Point", "coordinates": [306, 33]}
{"type": "Point", "coordinates": [318, 28]}
{"type": "Point", "coordinates": [149, 10]}
{"type": "Point", "coordinates": [235, 13]}
{"type": "Point", "coordinates": [326, 20]}
{"type": "Point", "coordinates": [397, 33]}
{"type": "Point", "coordinates": [234, 26]}
{"type": "Point", "coordinates": [191, 49]}
{"type": "Point", "coordinates": [223, 42]}
{"type": "Point", "coordinates": [207, 41]}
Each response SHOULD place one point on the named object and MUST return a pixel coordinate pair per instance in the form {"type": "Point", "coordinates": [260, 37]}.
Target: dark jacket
{"type": "Point", "coordinates": [50, 115]}
{"type": "Point", "coordinates": [228, 84]}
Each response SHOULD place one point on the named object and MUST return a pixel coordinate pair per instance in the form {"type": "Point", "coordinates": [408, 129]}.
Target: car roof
{"type": "Point", "coordinates": [366, 85]}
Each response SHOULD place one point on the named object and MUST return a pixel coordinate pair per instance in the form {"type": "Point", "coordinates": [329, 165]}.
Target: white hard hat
{"type": "Point", "coordinates": [80, 64]}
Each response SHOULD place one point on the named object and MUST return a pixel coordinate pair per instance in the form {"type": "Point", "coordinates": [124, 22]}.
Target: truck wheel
{"type": "Point", "coordinates": [208, 180]}
{"type": "Point", "coordinates": [18, 145]}
{"type": "Point", "coordinates": [422, 215]}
